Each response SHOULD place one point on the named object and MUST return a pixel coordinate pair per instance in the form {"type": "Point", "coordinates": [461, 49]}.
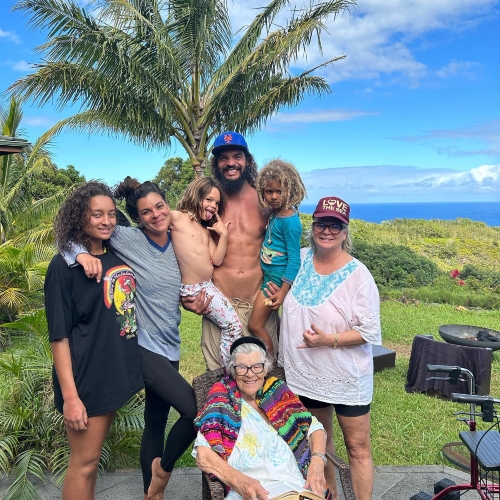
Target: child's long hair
{"type": "Point", "coordinates": [287, 175]}
{"type": "Point", "coordinates": [194, 195]}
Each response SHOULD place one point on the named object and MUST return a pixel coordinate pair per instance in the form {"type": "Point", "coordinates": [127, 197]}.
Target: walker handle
{"type": "Point", "coordinates": [442, 368]}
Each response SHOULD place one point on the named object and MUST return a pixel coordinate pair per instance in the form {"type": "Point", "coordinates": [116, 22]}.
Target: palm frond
{"type": "Point", "coordinates": [28, 462]}
{"type": "Point", "coordinates": [8, 447]}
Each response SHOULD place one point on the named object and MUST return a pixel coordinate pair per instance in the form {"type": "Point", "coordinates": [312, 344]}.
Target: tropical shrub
{"type": "Point", "coordinates": [22, 273]}
{"type": "Point", "coordinates": [395, 266]}
{"type": "Point", "coordinates": [32, 435]}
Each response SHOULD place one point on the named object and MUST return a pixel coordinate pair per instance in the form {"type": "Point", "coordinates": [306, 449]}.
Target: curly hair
{"type": "Point", "coordinates": [73, 216]}
{"type": "Point", "coordinates": [250, 171]}
{"type": "Point", "coordinates": [131, 190]}
{"type": "Point", "coordinates": [193, 196]}
{"type": "Point", "coordinates": [291, 183]}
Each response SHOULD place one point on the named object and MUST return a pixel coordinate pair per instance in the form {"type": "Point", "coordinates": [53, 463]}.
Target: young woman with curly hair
{"type": "Point", "coordinates": [93, 334]}
{"type": "Point", "coordinates": [147, 249]}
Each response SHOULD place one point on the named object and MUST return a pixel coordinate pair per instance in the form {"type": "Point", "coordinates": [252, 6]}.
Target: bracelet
{"type": "Point", "coordinates": [336, 343]}
{"type": "Point", "coordinates": [321, 455]}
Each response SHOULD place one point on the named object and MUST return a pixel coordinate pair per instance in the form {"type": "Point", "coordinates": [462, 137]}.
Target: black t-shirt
{"type": "Point", "coordinates": [99, 321]}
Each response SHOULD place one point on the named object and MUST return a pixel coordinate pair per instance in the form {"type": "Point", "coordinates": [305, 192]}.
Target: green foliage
{"type": "Point", "coordinates": [22, 274]}
{"type": "Point", "coordinates": [392, 250]}
{"type": "Point", "coordinates": [32, 436]}
{"type": "Point", "coordinates": [22, 214]}
{"type": "Point", "coordinates": [160, 69]}
{"type": "Point", "coordinates": [306, 220]}
{"type": "Point", "coordinates": [174, 177]}
{"type": "Point", "coordinates": [395, 266]}
{"type": "Point", "coordinates": [449, 244]}
{"type": "Point", "coordinates": [459, 296]}
{"type": "Point", "coordinates": [51, 180]}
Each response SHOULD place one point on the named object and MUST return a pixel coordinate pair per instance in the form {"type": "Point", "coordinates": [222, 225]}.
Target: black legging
{"type": "Point", "coordinates": [165, 387]}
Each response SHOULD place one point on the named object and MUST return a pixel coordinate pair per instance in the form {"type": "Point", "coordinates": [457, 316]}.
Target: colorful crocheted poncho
{"type": "Point", "coordinates": [220, 419]}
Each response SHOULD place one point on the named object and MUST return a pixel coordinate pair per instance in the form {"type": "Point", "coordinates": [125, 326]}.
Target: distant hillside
{"type": "Point", "coordinates": [449, 244]}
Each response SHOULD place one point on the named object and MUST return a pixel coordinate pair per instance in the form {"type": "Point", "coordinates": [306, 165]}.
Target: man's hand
{"type": "Point", "coordinates": [200, 304]}
{"type": "Point", "coordinates": [91, 265]}
{"type": "Point", "coordinates": [75, 415]}
{"type": "Point", "coordinates": [316, 477]}
{"type": "Point", "coordinates": [315, 337]}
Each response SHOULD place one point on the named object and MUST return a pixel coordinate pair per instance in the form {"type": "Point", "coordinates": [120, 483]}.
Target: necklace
{"type": "Point", "coordinates": [269, 228]}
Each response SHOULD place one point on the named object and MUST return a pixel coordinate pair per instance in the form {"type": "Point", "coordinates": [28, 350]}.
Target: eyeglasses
{"type": "Point", "coordinates": [257, 368]}
{"type": "Point", "coordinates": [335, 228]}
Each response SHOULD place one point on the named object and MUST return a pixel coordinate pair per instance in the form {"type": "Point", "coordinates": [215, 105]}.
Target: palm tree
{"type": "Point", "coordinates": [154, 70]}
{"type": "Point", "coordinates": [19, 212]}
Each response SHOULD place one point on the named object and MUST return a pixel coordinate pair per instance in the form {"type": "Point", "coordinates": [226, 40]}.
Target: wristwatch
{"type": "Point", "coordinates": [318, 454]}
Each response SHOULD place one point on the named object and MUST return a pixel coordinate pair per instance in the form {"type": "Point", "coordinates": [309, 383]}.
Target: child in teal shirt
{"type": "Point", "coordinates": [280, 189]}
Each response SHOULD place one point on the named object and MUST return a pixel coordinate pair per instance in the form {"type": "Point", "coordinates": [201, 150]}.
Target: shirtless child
{"type": "Point", "coordinates": [197, 253]}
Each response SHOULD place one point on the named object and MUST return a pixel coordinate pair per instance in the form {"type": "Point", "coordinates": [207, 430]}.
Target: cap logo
{"type": "Point", "coordinates": [228, 138]}
{"type": "Point", "coordinates": [335, 205]}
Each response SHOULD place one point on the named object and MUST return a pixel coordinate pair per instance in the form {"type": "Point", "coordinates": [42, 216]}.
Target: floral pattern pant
{"type": "Point", "coordinates": [222, 314]}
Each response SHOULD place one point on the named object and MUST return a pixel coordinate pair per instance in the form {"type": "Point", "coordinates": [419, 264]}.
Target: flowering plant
{"type": "Point", "coordinates": [455, 273]}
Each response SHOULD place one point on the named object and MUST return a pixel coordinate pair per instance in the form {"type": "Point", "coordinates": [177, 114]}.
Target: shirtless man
{"type": "Point", "coordinates": [240, 275]}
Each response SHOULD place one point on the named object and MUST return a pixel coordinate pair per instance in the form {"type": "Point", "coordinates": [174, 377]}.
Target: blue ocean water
{"type": "Point", "coordinates": [488, 212]}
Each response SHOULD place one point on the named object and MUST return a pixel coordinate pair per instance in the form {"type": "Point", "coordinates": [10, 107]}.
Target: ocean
{"type": "Point", "coordinates": [488, 212]}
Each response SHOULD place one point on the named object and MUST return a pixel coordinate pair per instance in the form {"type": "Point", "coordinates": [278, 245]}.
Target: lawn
{"type": "Point", "coordinates": [406, 428]}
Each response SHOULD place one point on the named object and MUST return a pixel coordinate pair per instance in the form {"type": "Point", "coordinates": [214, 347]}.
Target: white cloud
{"type": "Point", "coordinates": [387, 183]}
{"type": "Point", "coordinates": [486, 135]}
{"type": "Point", "coordinates": [21, 66]}
{"type": "Point", "coordinates": [10, 36]}
{"type": "Point", "coordinates": [319, 115]}
{"type": "Point", "coordinates": [379, 37]}
{"type": "Point", "coordinates": [455, 68]}
{"type": "Point", "coordinates": [38, 121]}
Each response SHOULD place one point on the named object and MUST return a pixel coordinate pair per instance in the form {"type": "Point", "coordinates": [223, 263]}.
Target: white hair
{"type": "Point", "coordinates": [248, 348]}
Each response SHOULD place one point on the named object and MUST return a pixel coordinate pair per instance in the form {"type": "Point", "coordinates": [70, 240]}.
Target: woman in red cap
{"type": "Point", "coordinates": [331, 318]}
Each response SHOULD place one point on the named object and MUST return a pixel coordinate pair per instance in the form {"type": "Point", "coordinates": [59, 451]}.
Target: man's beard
{"type": "Point", "coordinates": [232, 186]}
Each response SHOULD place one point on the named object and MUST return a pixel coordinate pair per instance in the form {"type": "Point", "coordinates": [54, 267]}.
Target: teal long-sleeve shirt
{"type": "Point", "coordinates": [281, 246]}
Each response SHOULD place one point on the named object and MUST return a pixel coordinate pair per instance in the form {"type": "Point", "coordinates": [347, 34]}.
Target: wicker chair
{"type": "Point", "coordinates": [213, 490]}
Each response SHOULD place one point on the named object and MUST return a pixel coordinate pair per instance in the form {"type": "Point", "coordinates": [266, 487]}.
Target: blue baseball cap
{"type": "Point", "coordinates": [228, 139]}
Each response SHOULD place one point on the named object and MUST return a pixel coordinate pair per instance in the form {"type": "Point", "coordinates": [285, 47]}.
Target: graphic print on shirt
{"type": "Point", "coordinates": [119, 289]}
{"type": "Point", "coordinates": [267, 254]}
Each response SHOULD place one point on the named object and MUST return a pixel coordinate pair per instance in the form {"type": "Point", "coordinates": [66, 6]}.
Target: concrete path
{"type": "Point", "coordinates": [391, 483]}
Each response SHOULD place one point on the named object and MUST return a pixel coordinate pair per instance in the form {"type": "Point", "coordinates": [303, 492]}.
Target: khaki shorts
{"type": "Point", "coordinates": [210, 333]}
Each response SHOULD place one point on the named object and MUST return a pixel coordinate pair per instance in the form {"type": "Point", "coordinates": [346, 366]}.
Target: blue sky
{"type": "Point", "coordinates": [414, 112]}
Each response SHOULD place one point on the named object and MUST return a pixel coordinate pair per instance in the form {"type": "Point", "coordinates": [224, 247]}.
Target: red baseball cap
{"type": "Point", "coordinates": [331, 206]}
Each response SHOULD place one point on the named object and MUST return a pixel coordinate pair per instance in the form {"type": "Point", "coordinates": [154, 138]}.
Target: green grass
{"type": "Point", "coordinates": [407, 429]}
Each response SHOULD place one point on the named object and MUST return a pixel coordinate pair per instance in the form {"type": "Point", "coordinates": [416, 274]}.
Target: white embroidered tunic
{"type": "Point", "coordinates": [344, 300]}
{"type": "Point", "coordinates": [261, 453]}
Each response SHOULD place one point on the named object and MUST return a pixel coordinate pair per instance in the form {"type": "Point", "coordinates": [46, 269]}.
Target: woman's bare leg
{"type": "Point", "coordinates": [325, 417]}
{"type": "Point", "coordinates": [111, 417]}
{"type": "Point", "coordinates": [356, 432]}
{"type": "Point", "coordinates": [85, 453]}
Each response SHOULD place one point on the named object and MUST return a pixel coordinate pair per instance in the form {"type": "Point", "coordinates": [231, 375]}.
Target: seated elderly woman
{"type": "Point", "coordinates": [255, 435]}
